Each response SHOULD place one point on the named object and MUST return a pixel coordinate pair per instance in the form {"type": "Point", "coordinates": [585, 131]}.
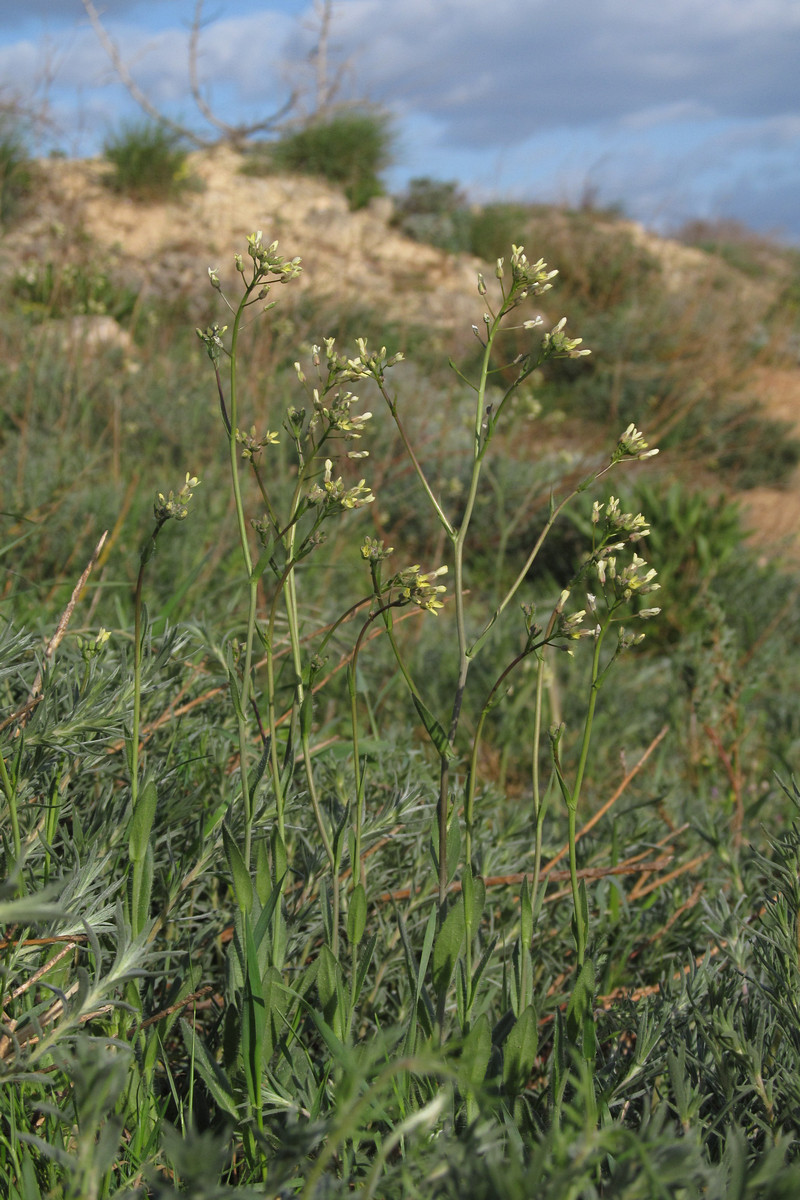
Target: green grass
{"type": "Point", "coordinates": [349, 149]}
{"type": "Point", "coordinates": [16, 170]}
{"type": "Point", "coordinates": [149, 162]}
{"type": "Point", "coordinates": [241, 950]}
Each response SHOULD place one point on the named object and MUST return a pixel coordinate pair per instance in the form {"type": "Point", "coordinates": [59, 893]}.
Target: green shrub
{"type": "Point", "coordinates": [434, 212]}
{"type": "Point", "coordinates": [149, 162]}
{"type": "Point", "coordinates": [15, 171]}
{"type": "Point", "coordinates": [349, 150]}
{"type": "Point", "coordinates": [496, 227]}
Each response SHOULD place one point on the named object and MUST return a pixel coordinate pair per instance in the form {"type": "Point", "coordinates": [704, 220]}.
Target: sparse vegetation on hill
{"type": "Point", "coordinates": [326, 871]}
{"type": "Point", "coordinates": [348, 149]}
{"type": "Point", "coordinates": [16, 173]}
{"type": "Point", "coordinates": [149, 162]}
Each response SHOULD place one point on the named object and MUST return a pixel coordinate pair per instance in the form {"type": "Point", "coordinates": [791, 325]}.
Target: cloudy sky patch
{"type": "Point", "coordinates": [671, 107]}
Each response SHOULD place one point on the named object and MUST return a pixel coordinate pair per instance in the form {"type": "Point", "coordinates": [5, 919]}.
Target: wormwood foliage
{"type": "Point", "coordinates": [269, 924]}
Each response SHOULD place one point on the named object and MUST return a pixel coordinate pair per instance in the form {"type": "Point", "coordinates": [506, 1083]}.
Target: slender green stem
{"type": "Point", "coordinates": [139, 864]}
{"type": "Point", "coordinates": [245, 683]}
{"type": "Point", "coordinates": [416, 463]}
{"type": "Point", "coordinates": [580, 931]}
{"type": "Point", "coordinates": [596, 680]}
{"type": "Point", "coordinates": [538, 803]}
{"type": "Point", "coordinates": [137, 667]}
{"type": "Point", "coordinates": [575, 793]}
{"type": "Point", "coordinates": [459, 539]}
{"type": "Point", "coordinates": [11, 797]}
{"type": "Point", "coordinates": [469, 802]}
{"type": "Point", "coordinates": [384, 611]}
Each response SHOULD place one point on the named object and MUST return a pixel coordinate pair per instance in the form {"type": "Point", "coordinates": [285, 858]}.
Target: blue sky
{"type": "Point", "coordinates": [673, 108]}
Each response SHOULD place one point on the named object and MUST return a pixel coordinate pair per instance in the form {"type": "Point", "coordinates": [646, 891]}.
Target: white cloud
{"type": "Point", "coordinates": [581, 60]}
{"type": "Point", "coordinates": [666, 114]}
{"type": "Point", "coordinates": [646, 98]}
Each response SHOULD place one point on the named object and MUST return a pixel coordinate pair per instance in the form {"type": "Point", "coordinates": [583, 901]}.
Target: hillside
{"type": "Point", "coordinates": [359, 262]}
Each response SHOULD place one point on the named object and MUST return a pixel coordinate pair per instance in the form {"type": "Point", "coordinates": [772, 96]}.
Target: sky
{"type": "Point", "coordinates": [672, 109]}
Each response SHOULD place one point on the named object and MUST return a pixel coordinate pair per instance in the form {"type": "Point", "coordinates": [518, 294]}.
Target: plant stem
{"type": "Point", "coordinates": [574, 797]}
{"type": "Point", "coordinates": [11, 797]}
{"type": "Point", "coordinates": [244, 686]}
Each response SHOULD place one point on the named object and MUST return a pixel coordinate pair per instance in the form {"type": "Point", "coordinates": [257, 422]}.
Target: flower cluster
{"type": "Point", "coordinates": [267, 261]}
{"type": "Point", "coordinates": [528, 278]}
{"type": "Point", "coordinates": [631, 445]}
{"type": "Point", "coordinates": [94, 646]}
{"type": "Point", "coordinates": [252, 445]}
{"type": "Point", "coordinates": [418, 587]}
{"type": "Point", "coordinates": [333, 492]}
{"type": "Point", "coordinates": [336, 410]}
{"type": "Point", "coordinates": [212, 340]}
{"type": "Point", "coordinates": [612, 521]}
{"type": "Point", "coordinates": [411, 586]}
{"type": "Point", "coordinates": [570, 627]}
{"type": "Point", "coordinates": [373, 550]}
{"type": "Point", "coordinates": [174, 506]}
{"type": "Point", "coordinates": [556, 344]}
{"type": "Point", "coordinates": [632, 579]}
{"type": "Point", "coordinates": [368, 364]}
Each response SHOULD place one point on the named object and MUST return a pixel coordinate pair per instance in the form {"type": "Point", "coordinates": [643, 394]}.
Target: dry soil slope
{"type": "Point", "coordinates": [350, 259]}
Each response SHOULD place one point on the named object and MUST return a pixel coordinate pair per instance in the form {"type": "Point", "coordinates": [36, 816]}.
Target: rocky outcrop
{"type": "Point", "coordinates": [350, 259]}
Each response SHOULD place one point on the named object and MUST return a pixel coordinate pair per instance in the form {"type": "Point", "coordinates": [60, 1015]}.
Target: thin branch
{"type": "Point", "coordinates": [61, 629]}
{"type": "Point", "coordinates": [235, 134]}
{"type": "Point", "coordinates": [112, 50]}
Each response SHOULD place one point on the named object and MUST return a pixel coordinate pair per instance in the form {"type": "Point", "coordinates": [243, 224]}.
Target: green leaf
{"type": "Point", "coordinates": [233, 686]}
{"type": "Point", "coordinates": [584, 907]}
{"type": "Point", "coordinates": [519, 1052]}
{"type": "Point", "coordinates": [141, 822]}
{"type": "Point", "coordinates": [364, 960]}
{"type": "Point", "coordinates": [280, 937]}
{"type": "Point", "coordinates": [558, 1069]}
{"type": "Point", "coordinates": [479, 901]}
{"type": "Point", "coordinates": [254, 1017]}
{"type": "Point", "coordinates": [306, 714]}
{"type": "Point", "coordinates": [434, 729]}
{"type": "Point", "coordinates": [475, 1053]}
{"type": "Point", "coordinates": [275, 1005]}
{"type": "Point", "coordinates": [357, 915]}
{"type": "Point", "coordinates": [263, 875]}
{"type": "Point", "coordinates": [579, 1009]}
{"type": "Point", "coordinates": [427, 946]}
{"type": "Point", "coordinates": [446, 949]}
{"type": "Point", "coordinates": [479, 641]}
{"type": "Point", "coordinates": [257, 773]}
{"type": "Point", "coordinates": [213, 819]}
{"type": "Point", "coordinates": [453, 846]}
{"type": "Point", "coordinates": [280, 859]}
{"type": "Point", "coordinates": [262, 564]}
{"type": "Point", "coordinates": [328, 975]}
{"type": "Point", "coordinates": [211, 1073]}
{"type": "Point", "coordinates": [265, 920]}
{"type": "Point", "coordinates": [242, 883]}
{"type": "Point", "coordinates": [422, 1008]}
{"type": "Point", "coordinates": [129, 754]}
{"type": "Point", "coordinates": [485, 959]}
{"type": "Point", "coordinates": [462, 994]}
{"type": "Point", "coordinates": [143, 874]}
{"type": "Point", "coordinates": [468, 900]}
{"type": "Point", "coordinates": [526, 915]}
